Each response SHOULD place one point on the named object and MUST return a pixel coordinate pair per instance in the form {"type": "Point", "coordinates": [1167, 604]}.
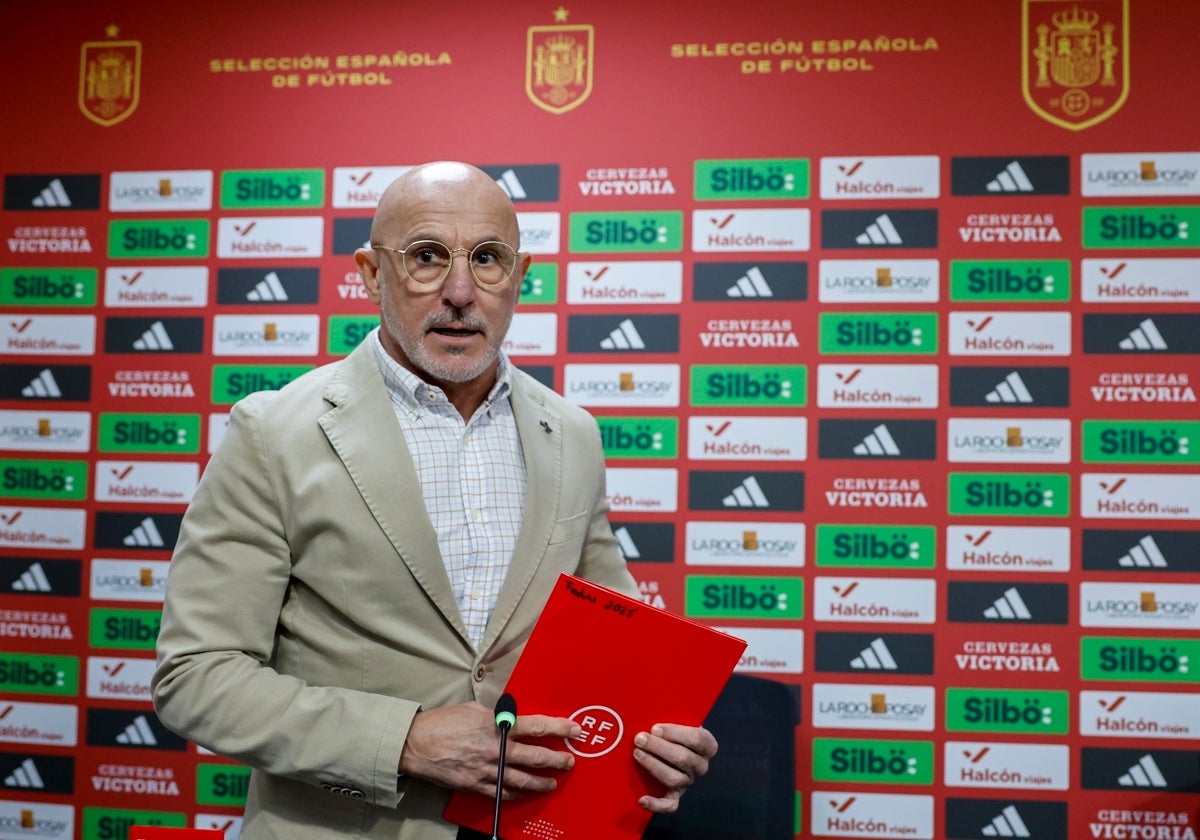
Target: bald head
{"type": "Point", "coordinates": [444, 186]}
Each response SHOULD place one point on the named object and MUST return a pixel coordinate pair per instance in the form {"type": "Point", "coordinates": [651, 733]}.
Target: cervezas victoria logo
{"type": "Point", "coordinates": [558, 64]}
{"type": "Point", "coordinates": [110, 75]}
{"type": "Point", "coordinates": [1075, 70]}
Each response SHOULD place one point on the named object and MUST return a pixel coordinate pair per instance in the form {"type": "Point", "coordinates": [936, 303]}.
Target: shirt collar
{"type": "Point", "coordinates": [409, 391]}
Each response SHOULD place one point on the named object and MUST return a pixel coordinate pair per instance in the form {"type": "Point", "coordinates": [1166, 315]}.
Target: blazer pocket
{"type": "Point", "coordinates": [571, 529]}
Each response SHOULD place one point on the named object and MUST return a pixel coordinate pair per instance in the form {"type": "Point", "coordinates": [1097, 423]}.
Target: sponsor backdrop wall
{"type": "Point", "coordinates": [889, 314]}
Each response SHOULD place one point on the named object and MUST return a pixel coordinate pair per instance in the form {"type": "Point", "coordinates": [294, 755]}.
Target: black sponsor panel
{"type": "Point", "coordinates": [646, 542]}
{"type": "Point", "coordinates": [1140, 771]}
{"type": "Point", "coordinates": [137, 531]}
{"type": "Point", "coordinates": [622, 333]}
{"type": "Point", "coordinates": [137, 728]}
{"type": "Point", "coordinates": [969, 819]}
{"type": "Point", "coordinates": [1132, 332]}
{"type": "Point", "coordinates": [1010, 387]}
{"type": "Point", "coordinates": [1141, 551]}
{"type": "Point", "coordinates": [1016, 176]}
{"type": "Point", "coordinates": [36, 773]}
{"type": "Point", "coordinates": [40, 576]}
{"type": "Point", "coordinates": [874, 654]}
{"type": "Point", "coordinates": [52, 192]}
{"type": "Point", "coordinates": [896, 440]}
{"type": "Point", "coordinates": [258, 286]}
{"type": "Point", "coordinates": [542, 373]}
{"type": "Point", "coordinates": [742, 492]}
{"type": "Point", "coordinates": [750, 281]}
{"type": "Point", "coordinates": [880, 228]}
{"type": "Point", "coordinates": [351, 234]}
{"type": "Point", "coordinates": [66, 383]}
{"type": "Point", "coordinates": [154, 335]}
{"type": "Point", "coordinates": [1007, 601]}
{"type": "Point", "coordinates": [527, 182]}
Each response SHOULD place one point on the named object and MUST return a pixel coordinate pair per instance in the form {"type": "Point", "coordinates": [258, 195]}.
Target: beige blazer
{"type": "Point", "coordinates": [308, 615]}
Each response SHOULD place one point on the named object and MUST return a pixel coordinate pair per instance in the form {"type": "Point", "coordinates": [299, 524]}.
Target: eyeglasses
{"type": "Point", "coordinates": [427, 262]}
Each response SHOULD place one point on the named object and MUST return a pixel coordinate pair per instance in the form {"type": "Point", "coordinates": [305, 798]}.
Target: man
{"type": "Point", "coordinates": [370, 546]}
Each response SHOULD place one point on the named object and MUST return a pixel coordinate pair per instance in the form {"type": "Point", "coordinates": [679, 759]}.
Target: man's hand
{"type": "Point", "coordinates": [676, 756]}
{"type": "Point", "coordinates": [458, 747]}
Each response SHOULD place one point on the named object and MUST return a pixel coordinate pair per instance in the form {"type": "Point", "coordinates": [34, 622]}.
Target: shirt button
{"type": "Point", "coordinates": [480, 673]}
{"type": "Point", "coordinates": [475, 515]}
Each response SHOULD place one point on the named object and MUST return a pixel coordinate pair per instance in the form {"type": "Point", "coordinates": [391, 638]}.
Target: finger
{"type": "Point", "coordinates": [696, 738]}
{"type": "Point", "coordinates": [534, 756]}
{"type": "Point", "coordinates": [667, 804]}
{"type": "Point", "coordinates": [544, 726]}
{"type": "Point", "coordinates": [674, 766]}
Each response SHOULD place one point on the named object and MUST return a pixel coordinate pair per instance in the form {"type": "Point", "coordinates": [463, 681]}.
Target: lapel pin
{"type": "Point", "coordinates": [545, 426]}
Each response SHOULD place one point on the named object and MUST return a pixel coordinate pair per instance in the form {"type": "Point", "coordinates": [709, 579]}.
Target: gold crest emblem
{"type": "Point", "coordinates": [558, 64]}
{"type": "Point", "coordinates": [1075, 69]}
{"type": "Point", "coordinates": [110, 75]}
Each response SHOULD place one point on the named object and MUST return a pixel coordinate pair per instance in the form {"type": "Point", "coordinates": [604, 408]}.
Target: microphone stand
{"type": "Point", "coordinates": [506, 716]}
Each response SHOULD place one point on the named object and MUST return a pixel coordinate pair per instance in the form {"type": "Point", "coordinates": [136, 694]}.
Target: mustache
{"type": "Point", "coordinates": [466, 318]}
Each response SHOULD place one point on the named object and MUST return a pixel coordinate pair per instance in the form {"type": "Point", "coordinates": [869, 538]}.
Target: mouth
{"type": "Point", "coordinates": [455, 332]}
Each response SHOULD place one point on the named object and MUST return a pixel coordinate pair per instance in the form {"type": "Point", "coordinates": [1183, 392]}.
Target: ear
{"type": "Point", "coordinates": [368, 270]}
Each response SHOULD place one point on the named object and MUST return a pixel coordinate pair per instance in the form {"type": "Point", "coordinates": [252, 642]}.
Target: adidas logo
{"type": "Point", "coordinates": [268, 289]}
{"type": "Point", "coordinates": [138, 734]}
{"type": "Point", "coordinates": [155, 338]}
{"type": "Point", "coordinates": [879, 442]}
{"type": "Point", "coordinates": [747, 494]}
{"type": "Point", "coordinates": [882, 232]}
{"type": "Point", "coordinates": [624, 337]}
{"type": "Point", "coordinates": [629, 549]}
{"type": "Point", "coordinates": [1146, 554]}
{"type": "Point", "coordinates": [1011, 390]}
{"type": "Point", "coordinates": [1145, 337]}
{"type": "Point", "coordinates": [509, 182]}
{"type": "Point", "coordinates": [146, 535]}
{"type": "Point", "coordinates": [1143, 774]}
{"type": "Point", "coordinates": [875, 657]}
{"type": "Point", "coordinates": [1011, 179]}
{"type": "Point", "coordinates": [752, 284]}
{"type": "Point", "coordinates": [55, 195]}
{"type": "Point", "coordinates": [25, 776]}
{"type": "Point", "coordinates": [1008, 824]}
{"type": "Point", "coordinates": [43, 385]}
{"type": "Point", "coordinates": [32, 579]}
{"type": "Point", "coordinates": [1008, 606]}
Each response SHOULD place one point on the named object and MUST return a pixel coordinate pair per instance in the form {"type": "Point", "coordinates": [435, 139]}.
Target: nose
{"type": "Point", "coordinates": [458, 289]}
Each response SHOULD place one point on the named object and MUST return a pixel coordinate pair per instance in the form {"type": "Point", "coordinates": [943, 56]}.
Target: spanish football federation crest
{"type": "Point", "coordinates": [110, 75]}
{"type": "Point", "coordinates": [1075, 69]}
{"type": "Point", "coordinates": [558, 64]}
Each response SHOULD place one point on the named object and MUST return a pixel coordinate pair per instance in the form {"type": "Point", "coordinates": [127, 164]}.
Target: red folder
{"type": "Point", "coordinates": [617, 666]}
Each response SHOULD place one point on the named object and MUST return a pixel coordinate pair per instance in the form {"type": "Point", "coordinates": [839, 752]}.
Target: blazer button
{"type": "Point", "coordinates": [480, 673]}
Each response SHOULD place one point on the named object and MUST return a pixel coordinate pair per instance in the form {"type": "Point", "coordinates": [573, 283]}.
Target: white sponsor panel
{"type": "Point", "coordinates": [119, 678]}
{"type": "Point", "coordinates": [1149, 280]}
{"type": "Point", "coordinates": [735, 230]}
{"type": "Point", "coordinates": [622, 385]}
{"type": "Point", "coordinates": [540, 232]}
{"type": "Point", "coordinates": [729, 438]}
{"type": "Point", "coordinates": [1140, 173]}
{"type": "Point", "coordinates": [1009, 334]}
{"type": "Point", "coordinates": [146, 482]}
{"type": "Point", "coordinates": [143, 192]}
{"type": "Point", "coordinates": [991, 548]}
{"type": "Point", "coordinates": [769, 650]}
{"type": "Point", "coordinates": [129, 580]}
{"type": "Point", "coordinates": [877, 386]}
{"type": "Point", "coordinates": [1008, 440]}
{"type": "Point", "coordinates": [232, 826]}
{"type": "Point", "coordinates": [48, 724]}
{"type": "Point", "coordinates": [40, 820]}
{"type": "Point", "coordinates": [844, 813]}
{"type": "Point", "coordinates": [633, 282]}
{"type": "Point", "coordinates": [155, 286]}
{"type": "Point", "coordinates": [650, 489]}
{"type": "Point", "coordinates": [872, 178]}
{"type": "Point", "coordinates": [217, 424]}
{"type": "Point", "coordinates": [773, 544]}
{"type": "Point", "coordinates": [266, 335]}
{"type": "Point", "coordinates": [868, 599]}
{"type": "Point", "coordinates": [878, 281]}
{"type": "Point", "coordinates": [361, 187]}
{"type": "Point", "coordinates": [45, 431]}
{"type": "Point", "coordinates": [47, 335]}
{"type": "Point", "coordinates": [1139, 496]}
{"type": "Point", "coordinates": [1172, 606]}
{"type": "Point", "coordinates": [883, 707]}
{"type": "Point", "coordinates": [977, 764]}
{"type": "Point", "coordinates": [1139, 714]}
{"type": "Point", "coordinates": [57, 529]}
{"type": "Point", "coordinates": [532, 334]}
{"type": "Point", "coordinates": [270, 237]}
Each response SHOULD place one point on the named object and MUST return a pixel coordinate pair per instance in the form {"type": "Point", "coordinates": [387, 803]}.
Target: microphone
{"type": "Point", "coordinates": [506, 716]}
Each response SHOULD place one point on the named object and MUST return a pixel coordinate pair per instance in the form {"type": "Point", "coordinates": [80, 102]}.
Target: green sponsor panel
{"type": "Point", "coordinates": [877, 546]}
{"type": "Point", "coordinates": [36, 479]}
{"type": "Point", "coordinates": [1011, 281]}
{"type": "Point", "coordinates": [1008, 710]}
{"type": "Point", "coordinates": [1009, 494]}
{"type": "Point", "coordinates": [222, 784]}
{"type": "Point", "coordinates": [124, 629]}
{"type": "Point", "coordinates": [540, 284]}
{"type": "Point", "coordinates": [37, 673]}
{"type": "Point", "coordinates": [114, 823]}
{"type": "Point", "coordinates": [1140, 659]}
{"type": "Point", "coordinates": [759, 386]}
{"type": "Point", "coordinates": [872, 761]}
{"type": "Point", "coordinates": [743, 596]}
{"type": "Point", "coordinates": [1140, 441]}
{"type": "Point", "coordinates": [628, 232]}
{"type": "Point", "coordinates": [48, 286]}
{"type": "Point", "coordinates": [894, 334]}
{"type": "Point", "coordinates": [165, 433]}
{"type": "Point", "coordinates": [156, 239]}
{"type": "Point", "coordinates": [232, 382]}
{"type": "Point", "coordinates": [1167, 226]}
{"type": "Point", "coordinates": [757, 178]}
{"type": "Point", "coordinates": [639, 437]}
{"type": "Point", "coordinates": [345, 333]}
{"type": "Point", "coordinates": [272, 188]}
